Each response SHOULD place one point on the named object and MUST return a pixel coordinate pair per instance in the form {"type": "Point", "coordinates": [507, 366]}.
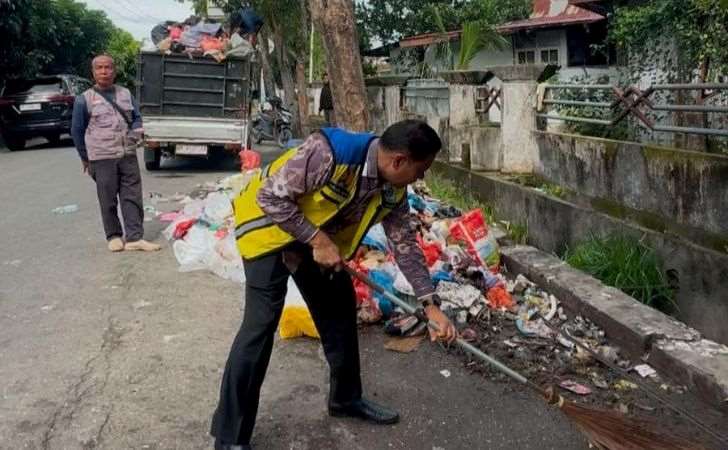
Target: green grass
{"type": "Point", "coordinates": [554, 190]}
{"type": "Point", "coordinates": [452, 194]}
{"type": "Point", "coordinates": [517, 232]}
{"type": "Point", "coordinates": [628, 264]}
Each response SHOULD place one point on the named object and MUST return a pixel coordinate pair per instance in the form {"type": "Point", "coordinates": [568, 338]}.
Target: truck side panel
{"type": "Point", "coordinates": [174, 85]}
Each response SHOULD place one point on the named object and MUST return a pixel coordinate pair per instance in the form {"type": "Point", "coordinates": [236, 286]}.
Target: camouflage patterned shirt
{"type": "Point", "coordinates": [307, 171]}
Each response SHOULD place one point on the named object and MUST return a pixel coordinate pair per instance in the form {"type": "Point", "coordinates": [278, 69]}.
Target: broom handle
{"type": "Point", "coordinates": [461, 343]}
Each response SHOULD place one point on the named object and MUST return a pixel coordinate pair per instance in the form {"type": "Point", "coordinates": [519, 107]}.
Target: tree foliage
{"type": "Point", "coordinates": [60, 36]}
{"type": "Point", "coordinates": [124, 49]}
{"type": "Point", "coordinates": [387, 21]}
{"type": "Point", "coordinates": [698, 28]}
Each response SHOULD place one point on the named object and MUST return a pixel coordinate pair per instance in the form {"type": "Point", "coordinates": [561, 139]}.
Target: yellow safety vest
{"type": "Point", "coordinates": [257, 235]}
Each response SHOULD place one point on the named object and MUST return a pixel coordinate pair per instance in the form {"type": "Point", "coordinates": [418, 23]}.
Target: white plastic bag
{"type": "Point", "coordinates": [225, 260]}
{"type": "Point", "coordinates": [217, 208]}
{"type": "Point", "coordinates": [194, 251]}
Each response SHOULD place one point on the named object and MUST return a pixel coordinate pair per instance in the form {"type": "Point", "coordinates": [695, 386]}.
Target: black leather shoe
{"type": "Point", "coordinates": [365, 409]}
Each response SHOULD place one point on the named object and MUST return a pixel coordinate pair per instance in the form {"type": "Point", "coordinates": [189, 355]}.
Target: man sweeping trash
{"type": "Point", "coordinates": [304, 216]}
{"type": "Point", "coordinates": [106, 128]}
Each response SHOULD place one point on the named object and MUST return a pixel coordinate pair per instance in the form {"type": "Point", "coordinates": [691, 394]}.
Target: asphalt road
{"type": "Point", "coordinates": [121, 351]}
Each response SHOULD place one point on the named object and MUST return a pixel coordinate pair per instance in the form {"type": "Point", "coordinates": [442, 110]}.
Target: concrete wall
{"type": "Point", "coordinates": [428, 97]}
{"type": "Point", "coordinates": [554, 224]}
{"type": "Point", "coordinates": [676, 199]}
{"type": "Point", "coordinates": [519, 148]}
{"type": "Point", "coordinates": [679, 191]}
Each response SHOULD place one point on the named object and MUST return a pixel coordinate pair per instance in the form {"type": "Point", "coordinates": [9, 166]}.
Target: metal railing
{"type": "Point", "coordinates": [638, 103]}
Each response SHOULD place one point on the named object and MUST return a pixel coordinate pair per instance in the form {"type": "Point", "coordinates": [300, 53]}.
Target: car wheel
{"type": "Point", "coordinates": [152, 159]}
{"type": "Point", "coordinates": [14, 143]}
{"type": "Point", "coordinates": [284, 136]}
{"type": "Point", "coordinates": [54, 139]}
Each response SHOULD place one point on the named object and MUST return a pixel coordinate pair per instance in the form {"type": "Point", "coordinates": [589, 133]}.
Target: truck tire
{"type": "Point", "coordinates": [152, 159]}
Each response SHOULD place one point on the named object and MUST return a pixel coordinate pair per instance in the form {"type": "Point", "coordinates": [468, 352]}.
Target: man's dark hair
{"type": "Point", "coordinates": [414, 137]}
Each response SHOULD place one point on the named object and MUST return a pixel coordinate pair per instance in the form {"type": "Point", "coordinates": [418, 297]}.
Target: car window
{"type": "Point", "coordinates": [33, 86]}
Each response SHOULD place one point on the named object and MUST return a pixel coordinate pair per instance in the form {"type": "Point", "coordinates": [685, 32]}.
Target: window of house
{"type": "Point", "coordinates": [526, 56]}
{"type": "Point", "coordinates": [589, 46]}
{"type": "Point", "coordinates": [550, 56]}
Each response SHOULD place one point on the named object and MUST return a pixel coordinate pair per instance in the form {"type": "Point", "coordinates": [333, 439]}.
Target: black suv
{"type": "Point", "coordinates": [38, 107]}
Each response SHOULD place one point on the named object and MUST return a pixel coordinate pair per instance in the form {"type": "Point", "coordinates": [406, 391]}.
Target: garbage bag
{"type": "Point", "coordinates": [472, 230]}
{"type": "Point", "coordinates": [498, 297]}
{"type": "Point", "coordinates": [225, 261]}
{"type": "Point", "coordinates": [431, 250]}
{"type": "Point", "coordinates": [159, 33]}
{"type": "Point", "coordinates": [416, 202]}
{"type": "Point", "coordinates": [457, 257]}
{"type": "Point", "coordinates": [296, 320]}
{"type": "Point", "coordinates": [217, 208]}
{"type": "Point", "coordinates": [249, 159]}
{"type": "Point", "coordinates": [239, 47]}
{"type": "Point", "coordinates": [441, 275]}
{"type": "Point", "coordinates": [193, 252]}
{"type": "Point", "coordinates": [385, 280]}
{"type": "Point", "coordinates": [402, 285]}
{"type": "Point", "coordinates": [376, 238]}
{"type": "Point", "coordinates": [181, 228]}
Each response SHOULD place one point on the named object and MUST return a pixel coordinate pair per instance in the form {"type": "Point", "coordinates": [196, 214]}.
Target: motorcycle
{"type": "Point", "coordinates": [273, 124]}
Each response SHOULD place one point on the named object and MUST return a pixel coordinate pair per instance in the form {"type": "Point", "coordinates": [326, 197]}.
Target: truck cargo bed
{"type": "Point", "coordinates": [175, 85]}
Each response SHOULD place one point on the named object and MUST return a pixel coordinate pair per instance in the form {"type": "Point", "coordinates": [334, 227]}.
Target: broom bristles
{"type": "Point", "coordinates": [612, 430]}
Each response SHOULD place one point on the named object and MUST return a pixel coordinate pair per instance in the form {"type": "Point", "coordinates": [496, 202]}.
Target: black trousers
{"type": "Point", "coordinates": [332, 303]}
{"type": "Point", "coordinates": [119, 181]}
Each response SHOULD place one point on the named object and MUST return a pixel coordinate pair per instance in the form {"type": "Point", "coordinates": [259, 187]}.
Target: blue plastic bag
{"type": "Point", "coordinates": [441, 275]}
{"type": "Point", "coordinates": [386, 281]}
{"type": "Point", "coordinates": [376, 238]}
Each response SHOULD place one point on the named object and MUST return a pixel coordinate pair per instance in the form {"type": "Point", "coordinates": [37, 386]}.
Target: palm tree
{"type": "Point", "coordinates": [477, 36]}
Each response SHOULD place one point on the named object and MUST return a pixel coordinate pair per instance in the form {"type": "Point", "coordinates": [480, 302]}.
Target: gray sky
{"type": "Point", "coordinates": [139, 17]}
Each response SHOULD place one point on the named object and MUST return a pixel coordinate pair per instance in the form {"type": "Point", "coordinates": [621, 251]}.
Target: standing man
{"type": "Point", "coordinates": [106, 129]}
{"type": "Point", "coordinates": [326, 102]}
{"type": "Point", "coordinates": [304, 216]}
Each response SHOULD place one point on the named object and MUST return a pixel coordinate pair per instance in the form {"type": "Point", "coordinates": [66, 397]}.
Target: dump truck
{"type": "Point", "coordinates": [192, 107]}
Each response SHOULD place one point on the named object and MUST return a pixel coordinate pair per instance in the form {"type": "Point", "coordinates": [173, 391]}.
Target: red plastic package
{"type": "Point", "coordinates": [182, 228]}
{"type": "Point", "coordinates": [472, 230]}
{"type": "Point", "coordinates": [249, 159]}
{"type": "Point", "coordinates": [431, 250]}
{"type": "Point", "coordinates": [498, 297]}
{"type": "Point", "coordinates": [367, 308]}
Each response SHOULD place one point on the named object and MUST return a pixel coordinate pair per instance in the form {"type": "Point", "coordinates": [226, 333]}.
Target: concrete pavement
{"type": "Point", "coordinates": [119, 351]}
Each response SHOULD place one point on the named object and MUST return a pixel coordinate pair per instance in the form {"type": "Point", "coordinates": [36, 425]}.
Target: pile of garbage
{"type": "Point", "coordinates": [503, 313]}
{"type": "Point", "coordinates": [196, 37]}
{"type": "Point", "coordinates": [202, 231]}
{"type": "Point", "coordinates": [461, 254]}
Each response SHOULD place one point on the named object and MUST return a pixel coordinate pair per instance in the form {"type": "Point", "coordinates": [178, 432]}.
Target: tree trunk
{"type": "Point", "coordinates": [268, 78]}
{"type": "Point", "coordinates": [301, 83]}
{"type": "Point", "coordinates": [285, 64]}
{"type": "Point", "coordinates": [301, 86]}
{"type": "Point", "coordinates": [334, 19]}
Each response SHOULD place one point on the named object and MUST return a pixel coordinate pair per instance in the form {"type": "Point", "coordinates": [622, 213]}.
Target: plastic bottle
{"type": "Point", "coordinates": [68, 209]}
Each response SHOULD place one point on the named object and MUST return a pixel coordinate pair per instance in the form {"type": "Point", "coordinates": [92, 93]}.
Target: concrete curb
{"type": "Point", "coordinates": [674, 349]}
